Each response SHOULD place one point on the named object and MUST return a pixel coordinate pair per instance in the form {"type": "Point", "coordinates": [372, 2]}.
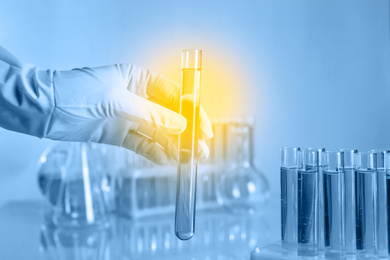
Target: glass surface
{"type": "Point", "coordinates": [27, 234]}
{"type": "Point", "coordinates": [188, 145]}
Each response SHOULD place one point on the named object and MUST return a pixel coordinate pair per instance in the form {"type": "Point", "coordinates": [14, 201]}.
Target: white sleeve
{"type": "Point", "coordinates": [26, 96]}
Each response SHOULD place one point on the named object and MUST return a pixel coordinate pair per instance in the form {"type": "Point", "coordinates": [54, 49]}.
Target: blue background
{"type": "Point", "coordinates": [313, 73]}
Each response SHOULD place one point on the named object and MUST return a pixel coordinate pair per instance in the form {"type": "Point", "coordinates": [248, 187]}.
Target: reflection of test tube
{"type": "Point", "coordinates": [288, 185]}
{"type": "Point", "coordinates": [334, 204]}
{"type": "Point", "coordinates": [382, 238]}
{"type": "Point", "coordinates": [350, 208]}
{"type": "Point", "coordinates": [307, 203]}
{"type": "Point", "coordinates": [191, 62]}
{"type": "Point", "coordinates": [365, 187]}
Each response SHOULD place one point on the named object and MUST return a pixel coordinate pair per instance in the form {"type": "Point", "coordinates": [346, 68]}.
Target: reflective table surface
{"type": "Point", "coordinates": [27, 232]}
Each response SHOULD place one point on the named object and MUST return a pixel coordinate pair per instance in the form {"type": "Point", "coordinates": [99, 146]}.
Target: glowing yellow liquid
{"type": "Point", "coordinates": [189, 108]}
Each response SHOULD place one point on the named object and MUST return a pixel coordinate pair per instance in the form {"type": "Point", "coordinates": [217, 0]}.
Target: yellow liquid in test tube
{"type": "Point", "coordinates": [188, 145]}
{"type": "Point", "coordinates": [189, 108]}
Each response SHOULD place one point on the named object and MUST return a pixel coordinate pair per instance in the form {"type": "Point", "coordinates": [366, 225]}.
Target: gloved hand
{"type": "Point", "coordinates": [121, 105]}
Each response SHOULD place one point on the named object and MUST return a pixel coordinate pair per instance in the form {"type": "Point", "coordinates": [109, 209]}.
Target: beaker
{"type": "Point", "coordinates": [365, 166]}
{"type": "Point", "coordinates": [242, 188]}
{"type": "Point", "coordinates": [191, 63]}
{"type": "Point", "coordinates": [333, 187]}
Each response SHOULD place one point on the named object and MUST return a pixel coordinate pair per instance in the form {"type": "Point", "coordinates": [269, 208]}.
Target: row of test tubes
{"type": "Point", "coordinates": [335, 203]}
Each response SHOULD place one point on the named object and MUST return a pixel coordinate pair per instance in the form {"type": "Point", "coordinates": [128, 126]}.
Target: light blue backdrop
{"type": "Point", "coordinates": [314, 73]}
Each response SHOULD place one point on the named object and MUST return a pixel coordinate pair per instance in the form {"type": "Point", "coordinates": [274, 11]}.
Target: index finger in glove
{"type": "Point", "coordinates": [166, 92]}
{"type": "Point", "coordinates": [136, 109]}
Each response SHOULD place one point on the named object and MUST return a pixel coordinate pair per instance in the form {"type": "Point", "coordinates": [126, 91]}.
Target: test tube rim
{"type": "Point", "coordinates": [340, 169]}
{"type": "Point", "coordinates": [191, 50]}
{"type": "Point", "coordinates": [367, 153]}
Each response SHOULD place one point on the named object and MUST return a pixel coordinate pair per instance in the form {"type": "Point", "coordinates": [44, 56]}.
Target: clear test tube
{"type": "Point", "coordinates": [334, 204]}
{"type": "Point", "coordinates": [288, 185]}
{"type": "Point", "coordinates": [350, 199]}
{"type": "Point", "coordinates": [191, 61]}
{"type": "Point", "coordinates": [307, 203]}
{"type": "Point", "coordinates": [320, 230]}
{"type": "Point", "coordinates": [387, 170]}
{"type": "Point", "coordinates": [365, 164]}
{"type": "Point", "coordinates": [381, 180]}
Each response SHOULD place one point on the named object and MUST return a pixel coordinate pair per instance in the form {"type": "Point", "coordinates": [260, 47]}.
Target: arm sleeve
{"type": "Point", "coordinates": [26, 96]}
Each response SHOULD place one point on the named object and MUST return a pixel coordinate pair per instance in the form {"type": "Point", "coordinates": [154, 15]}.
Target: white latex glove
{"type": "Point", "coordinates": [121, 105]}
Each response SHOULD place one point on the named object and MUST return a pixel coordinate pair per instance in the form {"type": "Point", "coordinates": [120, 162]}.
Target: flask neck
{"type": "Point", "coordinates": [241, 145]}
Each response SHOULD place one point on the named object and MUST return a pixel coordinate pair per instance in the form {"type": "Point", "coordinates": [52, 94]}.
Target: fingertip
{"type": "Point", "coordinates": [177, 125]}
{"type": "Point", "coordinates": [161, 161]}
{"type": "Point", "coordinates": [182, 122]}
{"type": "Point", "coordinates": [205, 124]}
{"type": "Point", "coordinates": [209, 133]}
{"type": "Point", "coordinates": [204, 149]}
{"type": "Point", "coordinates": [171, 122]}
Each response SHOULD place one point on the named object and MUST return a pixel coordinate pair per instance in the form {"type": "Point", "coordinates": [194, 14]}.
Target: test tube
{"type": "Point", "coordinates": [307, 203]}
{"type": "Point", "coordinates": [321, 243]}
{"type": "Point", "coordinates": [382, 236]}
{"type": "Point", "coordinates": [288, 185]}
{"type": "Point", "coordinates": [334, 204]}
{"type": "Point", "coordinates": [387, 170]}
{"type": "Point", "coordinates": [191, 61]}
{"type": "Point", "coordinates": [349, 206]}
{"type": "Point", "coordinates": [365, 164]}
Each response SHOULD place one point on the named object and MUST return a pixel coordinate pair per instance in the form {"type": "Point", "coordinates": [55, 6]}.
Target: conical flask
{"type": "Point", "coordinates": [71, 177]}
{"type": "Point", "coordinates": [241, 187]}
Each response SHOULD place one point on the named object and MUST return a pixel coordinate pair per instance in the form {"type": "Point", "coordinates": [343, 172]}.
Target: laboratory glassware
{"type": "Point", "coordinates": [307, 203]}
{"type": "Point", "coordinates": [78, 198]}
{"type": "Point", "coordinates": [333, 187]}
{"type": "Point", "coordinates": [144, 189]}
{"type": "Point", "coordinates": [207, 172]}
{"type": "Point", "coordinates": [188, 144]}
{"type": "Point", "coordinates": [290, 157]}
{"type": "Point", "coordinates": [365, 166]}
{"type": "Point", "coordinates": [387, 171]}
{"type": "Point", "coordinates": [382, 217]}
{"type": "Point", "coordinates": [51, 170]}
{"type": "Point", "coordinates": [111, 165]}
{"type": "Point", "coordinates": [321, 243]}
{"type": "Point", "coordinates": [349, 199]}
{"type": "Point", "coordinates": [242, 188]}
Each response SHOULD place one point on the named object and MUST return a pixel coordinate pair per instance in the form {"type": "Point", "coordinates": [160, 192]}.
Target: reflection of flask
{"type": "Point", "coordinates": [70, 177]}
{"type": "Point", "coordinates": [242, 188]}
{"type": "Point", "coordinates": [88, 243]}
